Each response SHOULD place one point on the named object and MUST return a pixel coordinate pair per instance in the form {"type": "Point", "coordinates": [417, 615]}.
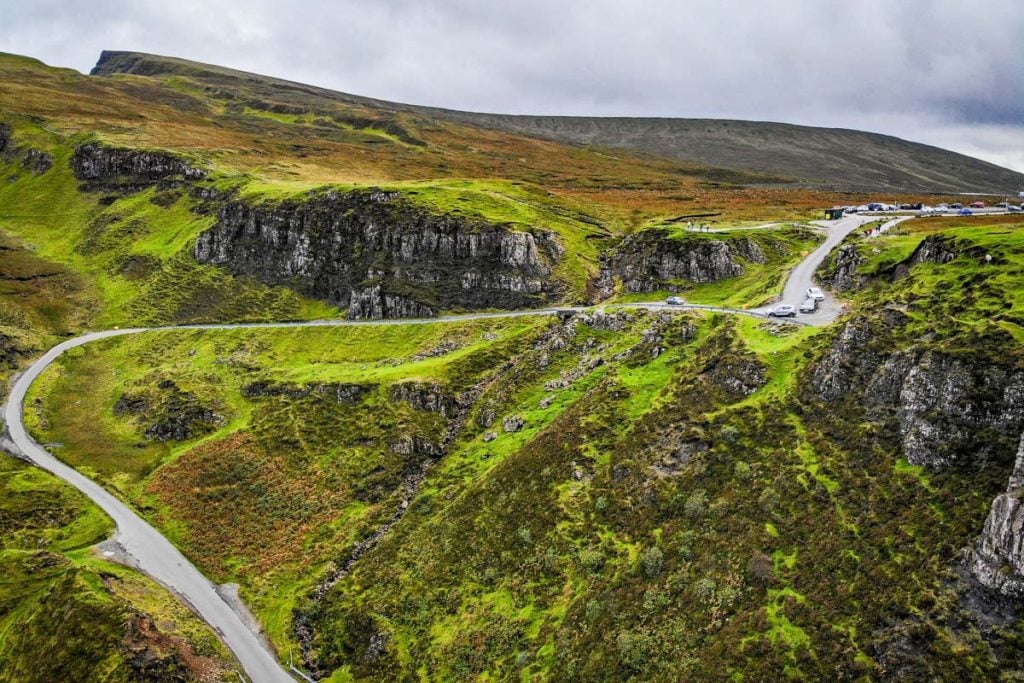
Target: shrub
{"type": "Point", "coordinates": [704, 589]}
{"type": "Point", "coordinates": [652, 560]}
{"type": "Point", "coordinates": [592, 560]}
{"type": "Point", "coordinates": [742, 471]}
{"type": "Point", "coordinates": [696, 504]}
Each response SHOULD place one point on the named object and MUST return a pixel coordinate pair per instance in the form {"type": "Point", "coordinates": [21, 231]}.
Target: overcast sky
{"type": "Point", "coordinates": [946, 72]}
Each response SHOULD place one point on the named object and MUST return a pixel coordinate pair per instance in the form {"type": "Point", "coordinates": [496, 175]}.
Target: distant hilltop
{"type": "Point", "coordinates": [831, 158]}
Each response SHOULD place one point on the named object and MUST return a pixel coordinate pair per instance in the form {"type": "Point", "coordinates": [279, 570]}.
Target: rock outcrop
{"type": "Point", "coordinates": [650, 260]}
{"type": "Point", "coordinates": [100, 166]}
{"type": "Point", "coordinates": [169, 414]}
{"type": "Point", "coordinates": [842, 276]}
{"type": "Point", "coordinates": [946, 409]}
{"type": "Point", "coordinates": [33, 160]}
{"type": "Point", "coordinates": [382, 256]}
{"type": "Point", "coordinates": [997, 561]}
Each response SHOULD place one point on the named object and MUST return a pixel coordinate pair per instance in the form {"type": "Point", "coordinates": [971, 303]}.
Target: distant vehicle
{"type": "Point", "coordinates": [906, 207]}
{"type": "Point", "coordinates": [1002, 205]}
{"type": "Point", "coordinates": [942, 206]}
{"type": "Point", "coordinates": [957, 206]}
{"type": "Point", "coordinates": [815, 293]}
{"type": "Point", "coordinates": [978, 205]}
{"type": "Point", "coordinates": [918, 207]}
{"type": "Point", "coordinates": [783, 311]}
{"type": "Point", "coordinates": [966, 212]}
{"type": "Point", "coordinates": [810, 305]}
{"type": "Point", "coordinates": [1015, 209]}
{"type": "Point", "coordinates": [875, 206]}
{"type": "Point", "coordinates": [675, 301]}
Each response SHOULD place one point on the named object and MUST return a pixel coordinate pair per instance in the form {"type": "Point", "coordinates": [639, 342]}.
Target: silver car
{"type": "Point", "coordinates": [810, 305]}
{"type": "Point", "coordinates": [783, 311]}
{"type": "Point", "coordinates": [815, 293]}
{"type": "Point", "coordinates": [675, 301]}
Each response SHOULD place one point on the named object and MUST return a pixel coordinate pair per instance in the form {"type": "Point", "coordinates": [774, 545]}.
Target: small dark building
{"type": "Point", "coordinates": [833, 214]}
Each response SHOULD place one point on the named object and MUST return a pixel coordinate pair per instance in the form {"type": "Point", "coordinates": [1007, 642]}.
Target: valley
{"type": "Point", "coordinates": [410, 381]}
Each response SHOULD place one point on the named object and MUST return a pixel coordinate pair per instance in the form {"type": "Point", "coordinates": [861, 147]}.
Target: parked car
{"type": "Point", "coordinates": [815, 293]}
{"type": "Point", "coordinates": [943, 206]}
{"type": "Point", "coordinates": [957, 206]}
{"type": "Point", "coordinates": [966, 212]}
{"type": "Point", "coordinates": [1001, 205]}
{"type": "Point", "coordinates": [675, 301]}
{"type": "Point", "coordinates": [783, 311]}
{"type": "Point", "coordinates": [1015, 209]}
{"type": "Point", "coordinates": [978, 205]}
{"type": "Point", "coordinates": [810, 305]}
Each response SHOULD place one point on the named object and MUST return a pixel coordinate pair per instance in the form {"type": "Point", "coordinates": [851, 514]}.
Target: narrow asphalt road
{"type": "Point", "coordinates": [801, 278]}
{"type": "Point", "coordinates": [156, 556]}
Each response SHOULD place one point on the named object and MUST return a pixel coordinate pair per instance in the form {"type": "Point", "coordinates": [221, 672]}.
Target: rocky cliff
{"type": "Point", "coordinates": [650, 260]}
{"type": "Point", "coordinates": [997, 561]}
{"type": "Point", "coordinates": [944, 409]}
{"type": "Point", "coordinates": [381, 256]}
{"type": "Point", "coordinates": [35, 160]}
{"type": "Point", "coordinates": [101, 166]}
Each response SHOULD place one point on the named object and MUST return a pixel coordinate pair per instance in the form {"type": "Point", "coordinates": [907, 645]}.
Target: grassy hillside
{"type": "Point", "coordinates": [613, 497]}
{"type": "Point", "coordinates": [93, 620]}
{"type": "Point", "coordinates": [719, 150]}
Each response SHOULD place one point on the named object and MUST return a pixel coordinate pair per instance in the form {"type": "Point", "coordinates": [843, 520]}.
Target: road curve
{"type": "Point", "coordinates": [802, 276]}
{"type": "Point", "coordinates": [156, 556]}
{"type": "Point", "coordinates": [153, 553]}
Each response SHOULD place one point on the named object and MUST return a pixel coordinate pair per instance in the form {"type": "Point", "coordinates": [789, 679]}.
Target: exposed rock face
{"type": "Point", "coordinates": [34, 160]}
{"type": "Point", "coordinates": [935, 249]}
{"type": "Point", "coordinates": [171, 414]}
{"type": "Point", "coordinates": [382, 256]}
{"type": "Point", "coordinates": [947, 409]}
{"type": "Point", "coordinates": [103, 166]}
{"type": "Point", "coordinates": [651, 260]}
{"type": "Point", "coordinates": [344, 393]}
{"type": "Point", "coordinates": [843, 276]}
{"type": "Point", "coordinates": [429, 397]}
{"type": "Point", "coordinates": [37, 161]}
{"type": "Point", "coordinates": [997, 561]}
{"type": "Point", "coordinates": [373, 303]}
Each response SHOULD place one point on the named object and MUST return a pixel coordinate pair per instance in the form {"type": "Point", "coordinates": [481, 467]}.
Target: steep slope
{"type": "Point", "coordinates": [606, 496]}
{"type": "Point", "coordinates": [828, 157]}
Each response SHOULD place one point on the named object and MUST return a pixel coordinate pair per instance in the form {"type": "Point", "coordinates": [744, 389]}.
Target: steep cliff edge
{"type": "Point", "coordinates": [102, 166]}
{"type": "Point", "coordinates": [382, 256]}
{"type": "Point", "coordinates": [650, 260]}
{"type": "Point", "coordinates": [944, 409]}
{"type": "Point", "coordinates": [997, 561]}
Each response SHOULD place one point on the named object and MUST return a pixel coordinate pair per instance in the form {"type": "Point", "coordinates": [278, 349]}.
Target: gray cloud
{"type": "Point", "coordinates": [947, 72]}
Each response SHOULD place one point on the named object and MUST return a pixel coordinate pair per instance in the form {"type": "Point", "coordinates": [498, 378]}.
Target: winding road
{"type": "Point", "coordinates": [150, 552]}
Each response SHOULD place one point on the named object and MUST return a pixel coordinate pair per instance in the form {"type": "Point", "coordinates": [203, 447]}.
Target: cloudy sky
{"type": "Point", "coordinates": [946, 72]}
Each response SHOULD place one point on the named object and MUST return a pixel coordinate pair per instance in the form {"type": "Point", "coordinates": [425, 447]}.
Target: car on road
{"type": "Point", "coordinates": [675, 301]}
{"type": "Point", "coordinates": [1002, 205]}
{"type": "Point", "coordinates": [810, 305]}
{"type": "Point", "coordinates": [957, 205]}
{"type": "Point", "coordinates": [1015, 209]}
{"type": "Point", "coordinates": [815, 293]}
{"type": "Point", "coordinates": [966, 212]}
{"type": "Point", "coordinates": [783, 311]}
{"type": "Point", "coordinates": [978, 205]}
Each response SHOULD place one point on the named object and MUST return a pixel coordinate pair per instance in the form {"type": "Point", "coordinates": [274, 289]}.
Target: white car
{"type": "Point", "coordinates": [675, 301]}
{"type": "Point", "coordinates": [783, 311]}
{"type": "Point", "coordinates": [809, 305]}
{"type": "Point", "coordinates": [815, 293]}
